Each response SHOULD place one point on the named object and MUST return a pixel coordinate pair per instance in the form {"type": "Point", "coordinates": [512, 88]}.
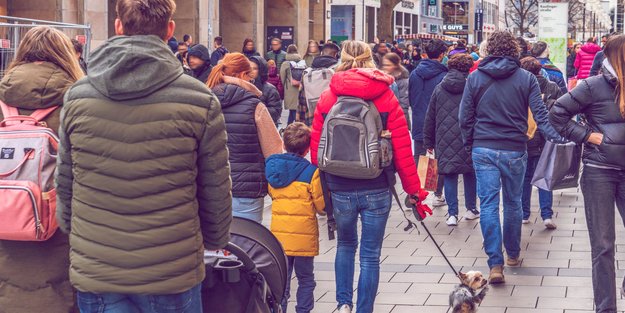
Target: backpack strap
{"type": "Point", "coordinates": [329, 209]}
{"type": "Point", "coordinates": [8, 111]}
{"type": "Point", "coordinates": [41, 114]}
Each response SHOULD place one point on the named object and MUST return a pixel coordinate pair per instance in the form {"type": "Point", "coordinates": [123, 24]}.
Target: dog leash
{"type": "Point", "coordinates": [418, 217]}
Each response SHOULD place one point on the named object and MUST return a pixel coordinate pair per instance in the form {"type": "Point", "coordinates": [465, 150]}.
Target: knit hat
{"type": "Point", "coordinates": [540, 50]}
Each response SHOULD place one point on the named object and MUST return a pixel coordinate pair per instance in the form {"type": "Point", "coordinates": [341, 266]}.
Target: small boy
{"type": "Point", "coordinates": [295, 187]}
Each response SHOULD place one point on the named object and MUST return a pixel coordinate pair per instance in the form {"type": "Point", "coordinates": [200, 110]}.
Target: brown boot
{"type": "Point", "coordinates": [513, 261]}
{"type": "Point", "coordinates": [496, 275]}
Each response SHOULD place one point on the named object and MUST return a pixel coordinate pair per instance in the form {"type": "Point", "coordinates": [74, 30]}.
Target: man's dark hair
{"type": "Point", "coordinates": [461, 62]}
{"type": "Point", "coordinates": [186, 37]}
{"type": "Point", "coordinates": [218, 40]}
{"type": "Point", "coordinates": [523, 45]}
{"type": "Point", "coordinates": [605, 36]}
{"type": "Point", "coordinates": [78, 47]}
{"type": "Point", "coordinates": [145, 17]}
{"type": "Point", "coordinates": [592, 40]}
{"type": "Point", "coordinates": [321, 42]}
{"type": "Point", "coordinates": [297, 138]}
{"type": "Point", "coordinates": [435, 48]}
{"type": "Point", "coordinates": [501, 44]}
{"type": "Point", "coordinates": [532, 65]}
{"type": "Point", "coordinates": [330, 49]}
{"type": "Point", "coordinates": [461, 44]}
{"type": "Point", "coordinates": [182, 43]}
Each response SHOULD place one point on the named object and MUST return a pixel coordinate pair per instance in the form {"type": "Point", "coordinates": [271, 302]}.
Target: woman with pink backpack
{"type": "Point", "coordinates": [33, 271]}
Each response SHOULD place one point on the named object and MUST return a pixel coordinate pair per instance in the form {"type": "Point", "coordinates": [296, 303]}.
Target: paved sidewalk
{"type": "Point", "coordinates": [554, 276]}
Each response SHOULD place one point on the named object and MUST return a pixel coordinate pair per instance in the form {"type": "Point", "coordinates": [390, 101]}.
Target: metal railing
{"type": "Point", "coordinates": [12, 29]}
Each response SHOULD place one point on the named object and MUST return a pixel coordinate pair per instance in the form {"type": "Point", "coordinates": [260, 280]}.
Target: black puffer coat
{"type": "Point", "coordinates": [551, 92]}
{"type": "Point", "coordinates": [595, 98]}
{"type": "Point", "coordinates": [270, 96]}
{"type": "Point", "coordinates": [442, 128]}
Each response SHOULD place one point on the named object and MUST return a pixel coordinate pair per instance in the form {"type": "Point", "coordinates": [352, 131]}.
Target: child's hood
{"type": "Point", "coordinates": [283, 169]}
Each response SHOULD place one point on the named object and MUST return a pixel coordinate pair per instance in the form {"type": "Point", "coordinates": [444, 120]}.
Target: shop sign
{"type": "Point", "coordinates": [455, 27]}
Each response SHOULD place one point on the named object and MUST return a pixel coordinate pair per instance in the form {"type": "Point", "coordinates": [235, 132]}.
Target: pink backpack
{"type": "Point", "coordinates": [28, 150]}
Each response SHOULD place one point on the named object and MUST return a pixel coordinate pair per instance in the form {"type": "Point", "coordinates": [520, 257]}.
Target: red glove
{"type": "Point", "coordinates": [417, 202]}
{"type": "Point", "coordinates": [423, 210]}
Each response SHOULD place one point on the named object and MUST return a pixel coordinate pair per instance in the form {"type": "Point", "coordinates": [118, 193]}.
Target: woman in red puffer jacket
{"type": "Point", "coordinates": [370, 199]}
{"type": "Point", "coordinates": [585, 57]}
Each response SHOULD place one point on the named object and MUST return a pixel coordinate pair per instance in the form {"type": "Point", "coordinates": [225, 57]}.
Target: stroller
{"type": "Point", "coordinates": [250, 277]}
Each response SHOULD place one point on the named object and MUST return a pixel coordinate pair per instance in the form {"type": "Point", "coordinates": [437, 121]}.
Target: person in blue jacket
{"type": "Point", "coordinates": [540, 51]}
{"type": "Point", "coordinates": [428, 74]}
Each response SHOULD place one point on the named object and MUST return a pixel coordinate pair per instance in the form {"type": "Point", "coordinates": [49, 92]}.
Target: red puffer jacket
{"type": "Point", "coordinates": [584, 59]}
{"type": "Point", "coordinates": [370, 85]}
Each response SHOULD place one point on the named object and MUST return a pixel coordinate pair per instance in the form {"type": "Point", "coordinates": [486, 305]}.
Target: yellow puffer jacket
{"type": "Point", "coordinates": [295, 188]}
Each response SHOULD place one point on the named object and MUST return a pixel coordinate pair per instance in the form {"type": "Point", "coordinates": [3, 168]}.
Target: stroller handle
{"type": "Point", "coordinates": [248, 264]}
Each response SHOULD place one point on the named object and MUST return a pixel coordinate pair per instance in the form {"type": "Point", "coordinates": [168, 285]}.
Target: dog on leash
{"type": "Point", "coordinates": [466, 297]}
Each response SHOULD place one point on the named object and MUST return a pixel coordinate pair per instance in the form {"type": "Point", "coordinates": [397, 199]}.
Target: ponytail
{"type": "Point", "coordinates": [233, 64]}
{"type": "Point", "coordinates": [216, 76]}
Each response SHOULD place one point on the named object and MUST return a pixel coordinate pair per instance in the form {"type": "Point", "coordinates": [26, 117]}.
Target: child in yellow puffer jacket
{"type": "Point", "coordinates": [295, 187]}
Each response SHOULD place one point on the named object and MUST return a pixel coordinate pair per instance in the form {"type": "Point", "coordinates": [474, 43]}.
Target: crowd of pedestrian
{"type": "Point", "coordinates": [152, 167]}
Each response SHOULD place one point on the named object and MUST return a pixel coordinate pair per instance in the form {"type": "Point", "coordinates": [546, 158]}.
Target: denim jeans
{"type": "Point", "coordinates": [373, 207]}
{"type": "Point", "coordinates": [187, 302]}
{"type": "Point", "coordinates": [545, 197]}
{"type": "Point", "coordinates": [292, 117]}
{"type": "Point", "coordinates": [497, 171]}
{"type": "Point", "coordinates": [249, 208]}
{"type": "Point", "coordinates": [304, 267]}
{"type": "Point", "coordinates": [451, 192]}
{"type": "Point", "coordinates": [420, 150]}
{"type": "Point", "coordinates": [602, 189]}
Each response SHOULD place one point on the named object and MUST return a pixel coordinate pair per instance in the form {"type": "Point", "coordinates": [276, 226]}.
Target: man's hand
{"type": "Point", "coordinates": [596, 138]}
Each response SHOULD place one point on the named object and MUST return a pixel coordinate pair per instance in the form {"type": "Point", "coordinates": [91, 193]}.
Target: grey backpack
{"type": "Point", "coordinates": [315, 82]}
{"type": "Point", "coordinates": [350, 140]}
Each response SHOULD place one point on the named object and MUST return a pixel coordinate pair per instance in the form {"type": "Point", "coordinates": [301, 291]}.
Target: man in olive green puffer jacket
{"type": "Point", "coordinates": [143, 176]}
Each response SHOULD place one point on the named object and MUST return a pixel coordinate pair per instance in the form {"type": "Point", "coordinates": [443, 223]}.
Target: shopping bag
{"type": "Point", "coordinates": [558, 166]}
{"type": "Point", "coordinates": [428, 172]}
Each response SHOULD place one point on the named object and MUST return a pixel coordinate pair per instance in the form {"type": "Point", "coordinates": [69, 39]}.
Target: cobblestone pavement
{"type": "Point", "coordinates": [554, 276]}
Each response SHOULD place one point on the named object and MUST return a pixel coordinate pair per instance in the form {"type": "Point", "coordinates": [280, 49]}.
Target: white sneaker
{"type": "Point", "coordinates": [345, 309]}
{"type": "Point", "coordinates": [452, 221]}
{"type": "Point", "coordinates": [472, 215]}
{"type": "Point", "coordinates": [549, 224]}
{"type": "Point", "coordinates": [439, 201]}
{"type": "Point", "coordinates": [526, 221]}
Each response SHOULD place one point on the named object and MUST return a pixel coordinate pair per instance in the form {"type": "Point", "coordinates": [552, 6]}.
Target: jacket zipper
{"type": "Point", "coordinates": [35, 208]}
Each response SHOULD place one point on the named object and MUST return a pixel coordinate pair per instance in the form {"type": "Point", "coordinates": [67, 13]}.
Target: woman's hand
{"type": "Point", "coordinates": [595, 138]}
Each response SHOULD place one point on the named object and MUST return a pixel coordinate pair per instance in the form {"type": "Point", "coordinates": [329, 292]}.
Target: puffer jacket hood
{"type": "Point", "coordinates": [324, 61]}
{"type": "Point", "coordinates": [33, 86]}
{"type": "Point", "coordinates": [113, 67]}
{"type": "Point", "coordinates": [499, 67]}
{"type": "Point", "coordinates": [283, 169]}
{"type": "Point", "coordinates": [234, 91]}
{"type": "Point", "coordinates": [293, 57]}
{"type": "Point", "coordinates": [362, 83]}
{"type": "Point", "coordinates": [429, 69]}
{"type": "Point", "coordinates": [454, 82]}
{"type": "Point", "coordinates": [263, 70]}
{"type": "Point", "coordinates": [591, 48]}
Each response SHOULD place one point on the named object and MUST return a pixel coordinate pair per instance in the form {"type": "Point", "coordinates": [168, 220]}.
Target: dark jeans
{"type": "Point", "coordinates": [451, 192]}
{"type": "Point", "coordinates": [304, 270]}
{"type": "Point", "coordinates": [373, 208]}
{"type": "Point", "coordinates": [292, 116]}
{"type": "Point", "coordinates": [187, 302]}
{"type": "Point", "coordinates": [420, 150]}
{"type": "Point", "coordinates": [545, 197]}
{"type": "Point", "coordinates": [497, 171]}
{"type": "Point", "coordinates": [602, 189]}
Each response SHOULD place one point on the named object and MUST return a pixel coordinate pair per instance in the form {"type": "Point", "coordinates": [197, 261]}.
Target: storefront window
{"type": "Point", "coordinates": [342, 23]}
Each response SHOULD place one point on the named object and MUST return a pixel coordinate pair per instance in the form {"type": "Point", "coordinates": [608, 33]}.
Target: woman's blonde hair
{"type": "Point", "coordinates": [47, 44]}
{"type": "Point", "coordinates": [614, 51]}
{"type": "Point", "coordinates": [355, 54]}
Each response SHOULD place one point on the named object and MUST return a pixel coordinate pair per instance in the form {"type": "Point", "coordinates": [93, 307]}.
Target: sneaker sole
{"type": "Point", "coordinates": [496, 280]}
{"type": "Point", "coordinates": [471, 218]}
{"type": "Point", "coordinates": [551, 226]}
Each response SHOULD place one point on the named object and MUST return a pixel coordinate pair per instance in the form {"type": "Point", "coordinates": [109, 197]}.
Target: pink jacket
{"type": "Point", "coordinates": [584, 59]}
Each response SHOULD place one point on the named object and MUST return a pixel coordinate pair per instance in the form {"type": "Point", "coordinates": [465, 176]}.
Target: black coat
{"type": "Point", "coordinates": [551, 92]}
{"type": "Point", "coordinates": [593, 97]}
{"type": "Point", "coordinates": [442, 128]}
{"type": "Point", "coordinates": [271, 96]}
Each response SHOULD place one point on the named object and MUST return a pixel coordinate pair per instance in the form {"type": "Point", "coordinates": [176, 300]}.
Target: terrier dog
{"type": "Point", "coordinates": [466, 297]}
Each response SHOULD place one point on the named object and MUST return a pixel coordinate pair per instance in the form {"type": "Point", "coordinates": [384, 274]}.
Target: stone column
{"type": "Point", "coordinates": [96, 13]}
{"type": "Point", "coordinates": [187, 19]}
{"type": "Point", "coordinates": [237, 21]}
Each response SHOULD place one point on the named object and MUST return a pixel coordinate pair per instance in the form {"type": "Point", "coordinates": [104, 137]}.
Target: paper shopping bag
{"type": "Point", "coordinates": [428, 172]}
{"type": "Point", "coordinates": [558, 166]}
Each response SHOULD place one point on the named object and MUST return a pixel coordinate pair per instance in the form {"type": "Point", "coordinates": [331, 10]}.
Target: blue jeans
{"type": "Point", "coordinates": [545, 197]}
{"type": "Point", "coordinates": [249, 208]}
{"type": "Point", "coordinates": [451, 192]}
{"type": "Point", "coordinates": [496, 171]}
{"type": "Point", "coordinates": [292, 117]}
{"type": "Point", "coordinates": [304, 267]}
{"type": "Point", "coordinates": [373, 207]}
{"type": "Point", "coordinates": [187, 302]}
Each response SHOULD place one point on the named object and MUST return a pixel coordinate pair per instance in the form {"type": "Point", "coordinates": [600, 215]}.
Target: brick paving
{"type": "Point", "coordinates": [554, 276]}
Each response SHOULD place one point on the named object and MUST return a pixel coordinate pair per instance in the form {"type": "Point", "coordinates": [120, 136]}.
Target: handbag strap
{"type": "Point", "coordinates": [26, 157]}
{"type": "Point", "coordinates": [8, 111]}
